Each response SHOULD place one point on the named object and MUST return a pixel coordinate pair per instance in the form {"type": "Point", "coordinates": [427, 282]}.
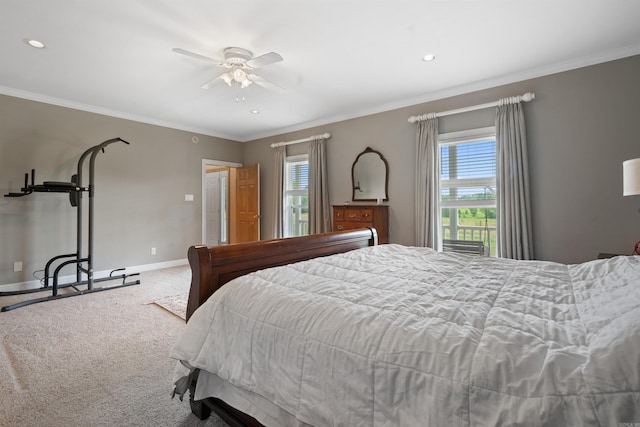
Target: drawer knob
{"type": "Point", "coordinates": [352, 215]}
{"type": "Point", "coordinates": [339, 227]}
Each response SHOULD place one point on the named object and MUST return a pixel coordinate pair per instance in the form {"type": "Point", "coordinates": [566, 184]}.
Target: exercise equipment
{"type": "Point", "coordinates": [84, 264]}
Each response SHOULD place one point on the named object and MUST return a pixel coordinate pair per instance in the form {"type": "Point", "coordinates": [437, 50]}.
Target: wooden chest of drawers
{"type": "Point", "coordinates": [350, 217]}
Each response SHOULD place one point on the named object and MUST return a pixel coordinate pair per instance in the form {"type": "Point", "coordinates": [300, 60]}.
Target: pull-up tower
{"type": "Point", "coordinates": [84, 264]}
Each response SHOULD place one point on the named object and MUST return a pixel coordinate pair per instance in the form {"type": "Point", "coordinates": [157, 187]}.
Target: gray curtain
{"type": "Point", "coordinates": [319, 209]}
{"type": "Point", "coordinates": [512, 176]}
{"type": "Point", "coordinates": [427, 218]}
{"type": "Point", "coordinates": [280, 154]}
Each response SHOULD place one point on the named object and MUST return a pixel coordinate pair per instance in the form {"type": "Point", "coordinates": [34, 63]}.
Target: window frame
{"type": "Point", "coordinates": [287, 216]}
{"type": "Point", "coordinates": [453, 139]}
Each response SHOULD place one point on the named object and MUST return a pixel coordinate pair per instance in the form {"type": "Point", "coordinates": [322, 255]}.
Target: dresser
{"type": "Point", "coordinates": [350, 217]}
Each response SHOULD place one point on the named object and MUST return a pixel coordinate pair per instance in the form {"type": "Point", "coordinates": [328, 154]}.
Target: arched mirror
{"type": "Point", "coordinates": [369, 176]}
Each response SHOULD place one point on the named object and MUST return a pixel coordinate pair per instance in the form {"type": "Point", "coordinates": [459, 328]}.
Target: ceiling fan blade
{"type": "Point", "coordinates": [266, 59]}
{"type": "Point", "coordinates": [193, 54]}
{"type": "Point", "coordinates": [265, 83]}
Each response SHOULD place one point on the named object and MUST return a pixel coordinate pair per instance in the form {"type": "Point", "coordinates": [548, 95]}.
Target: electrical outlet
{"type": "Point", "coordinates": [188, 197]}
{"type": "Point", "coordinates": [17, 266]}
{"type": "Point", "coordinates": [153, 251]}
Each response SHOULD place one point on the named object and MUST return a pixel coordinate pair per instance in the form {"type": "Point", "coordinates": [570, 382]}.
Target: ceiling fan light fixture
{"type": "Point", "coordinates": [227, 77]}
{"type": "Point", "coordinates": [237, 75]}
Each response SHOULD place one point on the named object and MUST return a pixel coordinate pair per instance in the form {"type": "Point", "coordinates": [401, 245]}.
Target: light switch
{"type": "Point", "coordinates": [188, 197]}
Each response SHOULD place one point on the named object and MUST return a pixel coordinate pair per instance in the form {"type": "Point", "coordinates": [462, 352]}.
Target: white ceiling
{"type": "Point", "coordinates": [342, 58]}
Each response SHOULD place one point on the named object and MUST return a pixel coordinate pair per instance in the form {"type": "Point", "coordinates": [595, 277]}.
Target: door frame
{"type": "Point", "coordinates": [205, 163]}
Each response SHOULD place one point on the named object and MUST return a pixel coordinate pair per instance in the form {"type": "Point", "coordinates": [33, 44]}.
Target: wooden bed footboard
{"type": "Point", "coordinates": [212, 267]}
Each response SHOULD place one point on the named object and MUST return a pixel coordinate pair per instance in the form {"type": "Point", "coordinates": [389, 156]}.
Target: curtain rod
{"type": "Point", "coordinates": [511, 100]}
{"type": "Point", "coordinates": [325, 135]}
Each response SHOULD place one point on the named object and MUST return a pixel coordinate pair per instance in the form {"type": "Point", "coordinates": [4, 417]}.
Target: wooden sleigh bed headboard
{"type": "Point", "coordinates": [212, 267]}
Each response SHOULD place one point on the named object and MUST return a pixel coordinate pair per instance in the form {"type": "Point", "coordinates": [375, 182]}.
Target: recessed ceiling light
{"type": "Point", "coordinates": [255, 111]}
{"type": "Point", "coordinates": [35, 43]}
{"type": "Point", "coordinates": [428, 58]}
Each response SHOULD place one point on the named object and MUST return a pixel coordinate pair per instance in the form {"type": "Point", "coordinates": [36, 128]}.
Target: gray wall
{"type": "Point", "coordinates": [140, 188]}
{"type": "Point", "coordinates": [581, 126]}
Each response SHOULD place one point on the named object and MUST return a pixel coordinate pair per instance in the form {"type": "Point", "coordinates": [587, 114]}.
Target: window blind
{"type": "Point", "coordinates": [468, 173]}
{"type": "Point", "coordinates": [297, 175]}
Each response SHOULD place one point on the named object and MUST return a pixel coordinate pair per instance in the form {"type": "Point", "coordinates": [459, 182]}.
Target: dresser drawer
{"type": "Point", "coordinates": [348, 225]}
{"type": "Point", "coordinates": [365, 215]}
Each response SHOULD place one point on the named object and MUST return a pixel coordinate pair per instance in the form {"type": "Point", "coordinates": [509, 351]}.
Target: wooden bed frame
{"type": "Point", "coordinates": [212, 267]}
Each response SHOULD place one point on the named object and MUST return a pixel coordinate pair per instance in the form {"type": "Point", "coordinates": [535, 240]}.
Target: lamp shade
{"type": "Point", "coordinates": [631, 177]}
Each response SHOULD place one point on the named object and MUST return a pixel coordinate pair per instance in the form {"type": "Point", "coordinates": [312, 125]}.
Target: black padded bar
{"type": "Point", "coordinates": [59, 184]}
{"type": "Point", "coordinates": [46, 187]}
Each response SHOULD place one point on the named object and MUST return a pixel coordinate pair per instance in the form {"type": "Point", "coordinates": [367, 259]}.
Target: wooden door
{"type": "Point", "coordinates": [247, 206]}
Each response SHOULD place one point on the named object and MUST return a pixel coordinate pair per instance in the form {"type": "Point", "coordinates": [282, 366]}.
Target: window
{"type": "Point", "coordinates": [468, 186]}
{"type": "Point", "coordinates": [296, 196]}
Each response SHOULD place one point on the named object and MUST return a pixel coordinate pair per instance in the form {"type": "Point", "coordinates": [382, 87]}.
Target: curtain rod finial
{"type": "Point", "coordinates": [529, 96]}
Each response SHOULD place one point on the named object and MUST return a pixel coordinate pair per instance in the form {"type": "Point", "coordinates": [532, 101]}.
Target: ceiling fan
{"type": "Point", "coordinates": [240, 64]}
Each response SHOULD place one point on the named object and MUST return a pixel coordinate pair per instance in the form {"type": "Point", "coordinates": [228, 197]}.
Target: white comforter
{"type": "Point", "coordinates": [403, 336]}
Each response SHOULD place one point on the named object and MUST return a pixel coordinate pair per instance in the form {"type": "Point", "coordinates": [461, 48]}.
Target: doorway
{"type": "Point", "coordinates": [215, 201]}
{"type": "Point", "coordinates": [230, 202]}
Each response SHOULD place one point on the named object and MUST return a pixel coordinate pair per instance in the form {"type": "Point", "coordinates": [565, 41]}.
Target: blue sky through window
{"type": "Point", "coordinates": [468, 160]}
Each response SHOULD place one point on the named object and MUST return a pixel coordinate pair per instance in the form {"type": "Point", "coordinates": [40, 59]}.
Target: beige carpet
{"type": "Point", "coordinates": [100, 359]}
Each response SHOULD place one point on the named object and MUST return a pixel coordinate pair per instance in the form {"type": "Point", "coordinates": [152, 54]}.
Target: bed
{"type": "Point", "coordinates": [343, 331]}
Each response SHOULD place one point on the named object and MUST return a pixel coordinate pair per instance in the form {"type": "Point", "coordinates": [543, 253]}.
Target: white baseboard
{"type": "Point", "coordinates": [34, 284]}
{"type": "Point", "coordinates": [155, 266]}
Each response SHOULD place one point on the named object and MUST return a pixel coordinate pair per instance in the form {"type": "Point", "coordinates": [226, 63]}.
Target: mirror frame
{"type": "Point", "coordinates": [354, 187]}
